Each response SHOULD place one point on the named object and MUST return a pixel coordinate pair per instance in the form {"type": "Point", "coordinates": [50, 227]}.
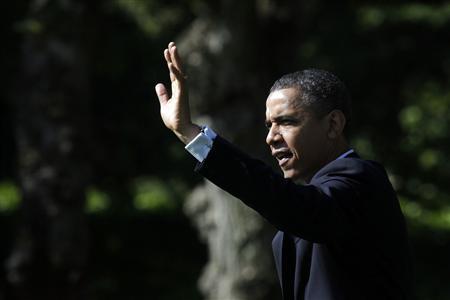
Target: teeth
{"type": "Point", "coordinates": [283, 155]}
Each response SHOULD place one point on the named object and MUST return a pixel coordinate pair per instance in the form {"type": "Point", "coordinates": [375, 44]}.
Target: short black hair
{"type": "Point", "coordinates": [320, 90]}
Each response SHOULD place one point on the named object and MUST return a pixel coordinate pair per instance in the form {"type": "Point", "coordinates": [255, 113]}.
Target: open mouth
{"type": "Point", "coordinates": [283, 156]}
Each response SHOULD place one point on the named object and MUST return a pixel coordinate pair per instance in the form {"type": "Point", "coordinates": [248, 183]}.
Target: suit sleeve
{"type": "Point", "coordinates": [323, 211]}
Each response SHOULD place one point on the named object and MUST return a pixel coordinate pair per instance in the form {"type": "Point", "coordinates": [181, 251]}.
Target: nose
{"type": "Point", "coordinates": [273, 136]}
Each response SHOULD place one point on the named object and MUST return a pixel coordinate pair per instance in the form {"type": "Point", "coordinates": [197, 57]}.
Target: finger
{"type": "Point", "coordinates": [176, 58]}
{"type": "Point", "coordinates": [171, 74]}
{"type": "Point", "coordinates": [162, 94]}
{"type": "Point", "coordinates": [169, 61]}
{"type": "Point", "coordinates": [176, 73]}
{"type": "Point", "coordinates": [167, 56]}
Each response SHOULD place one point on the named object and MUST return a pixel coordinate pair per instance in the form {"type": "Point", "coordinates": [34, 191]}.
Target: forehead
{"type": "Point", "coordinates": [283, 101]}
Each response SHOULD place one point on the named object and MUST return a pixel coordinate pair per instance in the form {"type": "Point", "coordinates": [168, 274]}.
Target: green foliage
{"type": "Point", "coordinates": [426, 218]}
{"type": "Point", "coordinates": [97, 201]}
{"type": "Point", "coordinates": [9, 197]}
{"type": "Point", "coordinates": [372, 16]}
{"type": "Point", "coordinates": [152, 17]}
{"type": "Point", "coordinates": [29, 26]}
{"type": "Point", "coordinates": [364, 145]}
{"type": "Point", "coordinates": [151, 194]}
{"type": "Point", "coordinates": [426, 118]}
{"type": "Point", "coordinates": [425, 121]}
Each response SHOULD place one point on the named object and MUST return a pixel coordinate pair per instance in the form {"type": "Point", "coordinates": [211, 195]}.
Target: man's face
{"type": "Point", "coordinates": [297, 137]}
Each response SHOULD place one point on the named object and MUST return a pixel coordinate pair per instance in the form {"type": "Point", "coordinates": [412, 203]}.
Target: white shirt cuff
{"type": "Point", "coordinates": [200, 146]}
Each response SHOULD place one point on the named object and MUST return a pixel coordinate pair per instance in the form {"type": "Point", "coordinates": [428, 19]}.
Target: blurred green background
{"type": "Point", "coordinates": [393, 55]}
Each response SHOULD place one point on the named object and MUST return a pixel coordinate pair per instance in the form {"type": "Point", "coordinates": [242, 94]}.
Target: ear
{"type": "Point", "coordinates": [336, 122]}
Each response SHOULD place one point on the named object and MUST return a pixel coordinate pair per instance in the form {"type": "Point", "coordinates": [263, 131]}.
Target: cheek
{"type": "Point", "coordinates": [295, 140]}
{"type": "Point", "coordinates": [307, 145]}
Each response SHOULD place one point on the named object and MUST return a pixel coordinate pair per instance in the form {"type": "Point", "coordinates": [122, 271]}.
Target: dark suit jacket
{"type": "Point", "coordinates": [342, 236]}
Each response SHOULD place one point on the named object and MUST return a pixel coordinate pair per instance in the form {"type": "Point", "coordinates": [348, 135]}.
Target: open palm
{"type": "Point", "coordinates": [175, 111]}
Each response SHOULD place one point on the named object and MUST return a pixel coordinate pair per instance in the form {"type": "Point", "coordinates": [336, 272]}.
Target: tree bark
{"type": "Point", "coordinates": [223, 54]}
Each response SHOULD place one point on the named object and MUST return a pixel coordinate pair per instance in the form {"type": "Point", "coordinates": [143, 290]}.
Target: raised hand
{"type": "Point", "coordinates": [175, 111]}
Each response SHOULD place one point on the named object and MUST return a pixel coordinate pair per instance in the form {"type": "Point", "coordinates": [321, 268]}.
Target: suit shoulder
{"type": "Point", "coordinates": [353, 169]}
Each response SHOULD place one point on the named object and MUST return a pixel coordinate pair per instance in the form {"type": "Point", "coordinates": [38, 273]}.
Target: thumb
{"type": "Point", "coordinates": [162, 94]}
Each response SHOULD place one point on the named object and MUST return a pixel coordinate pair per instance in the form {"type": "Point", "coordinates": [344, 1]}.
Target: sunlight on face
{"type": "Point", "coordinates": [296, 137]}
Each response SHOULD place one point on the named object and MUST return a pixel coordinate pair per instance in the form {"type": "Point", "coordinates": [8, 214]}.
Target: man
{"type": "Point", "coordinates": [341, 231]}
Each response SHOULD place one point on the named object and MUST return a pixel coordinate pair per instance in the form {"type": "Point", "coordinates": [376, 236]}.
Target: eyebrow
{"type": "Point", "coordinates": [282, 118]}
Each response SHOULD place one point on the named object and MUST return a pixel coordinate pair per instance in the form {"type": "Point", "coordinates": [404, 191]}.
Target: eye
{"type": "Point", "coordinates": [288, 122]}
{"type": "Point", "coordinates": [268, 125]}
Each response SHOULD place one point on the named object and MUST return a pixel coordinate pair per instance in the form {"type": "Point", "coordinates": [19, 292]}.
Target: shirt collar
{"type": "Point", "coordinates": [345, 154]}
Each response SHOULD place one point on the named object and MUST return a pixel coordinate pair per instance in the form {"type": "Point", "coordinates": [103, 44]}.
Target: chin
{"type": "Point", "coordinates": [290, 175]}
{"type": "Point", "coordinates": [294, 176]}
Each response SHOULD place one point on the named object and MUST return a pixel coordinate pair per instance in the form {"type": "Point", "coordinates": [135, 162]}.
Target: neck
{"type": "Point", "coordinates": [335, 150]}
{"type": "Point", "coordinates": [338, 149]}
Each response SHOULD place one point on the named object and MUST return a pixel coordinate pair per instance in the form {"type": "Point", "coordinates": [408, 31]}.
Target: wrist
{"type": "Point", "coordinates": [188, 133]}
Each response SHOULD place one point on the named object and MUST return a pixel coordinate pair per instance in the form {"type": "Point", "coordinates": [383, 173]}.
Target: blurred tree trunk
{"type": "Point", "coordinates": [51, 105]}
{"type": "Point", "coordinates": [230, 58]}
